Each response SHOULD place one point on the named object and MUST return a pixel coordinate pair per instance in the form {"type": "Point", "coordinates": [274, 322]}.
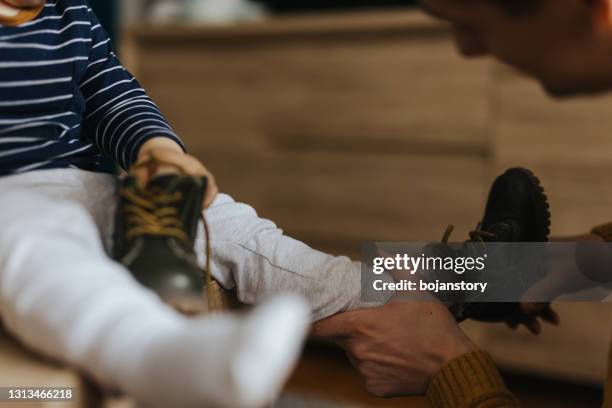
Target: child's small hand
{"type": "Point", "coordinates": [167, 151]}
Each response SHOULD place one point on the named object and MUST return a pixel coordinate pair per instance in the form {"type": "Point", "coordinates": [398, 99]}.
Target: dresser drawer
{"type": "Point", "coordinates": [335, 201]}
{"type": "Point", "coordinates": [341, 133]}
{"type": "Point", "coordinates": [404, 85]}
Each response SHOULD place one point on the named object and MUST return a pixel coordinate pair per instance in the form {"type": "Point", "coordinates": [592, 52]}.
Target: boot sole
{"type": "Point", "coordinates": [540, 203]}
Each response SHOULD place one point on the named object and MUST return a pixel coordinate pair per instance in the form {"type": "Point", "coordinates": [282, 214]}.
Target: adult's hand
{"type": "Point", "coordinates": [398, 347]}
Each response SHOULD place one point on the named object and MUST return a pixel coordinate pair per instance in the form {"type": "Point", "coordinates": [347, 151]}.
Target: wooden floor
{"type": "Point", "coordinates": [324, 378]}
{"type": "Point", "coordinates": [325, 373]}
{"type": "Point", "coordinates": [540, 393]}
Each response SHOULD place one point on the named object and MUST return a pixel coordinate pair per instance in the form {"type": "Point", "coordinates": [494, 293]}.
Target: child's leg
{"type": "Point", "coordinates": [252, 255]}
{"type": "Point", "coordinates": [60, 294]}
{"type": "Point", "coordinates": [248, 252]}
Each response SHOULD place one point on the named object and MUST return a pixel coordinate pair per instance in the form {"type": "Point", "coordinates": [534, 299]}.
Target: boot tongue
{"type": "Point", "coordinates": [168, 183]}
{"type": "Point", "coordinates": [171, 183]}
{"type": "Point", "coordinates": [189, 206]}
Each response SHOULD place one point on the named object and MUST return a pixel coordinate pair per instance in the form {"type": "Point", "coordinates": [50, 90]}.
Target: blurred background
{"type": "Point", "coordinates": [347, 122]}
{"type": "Point", "coordinates": [353, 120]}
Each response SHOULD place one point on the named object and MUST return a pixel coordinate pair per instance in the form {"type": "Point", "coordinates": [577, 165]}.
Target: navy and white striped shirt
{"type": "Point", "coordinates": [65, 97]}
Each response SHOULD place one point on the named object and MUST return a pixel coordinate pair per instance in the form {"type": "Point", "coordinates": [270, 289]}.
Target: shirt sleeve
{"type": "Point", "coordinates": [119, 116]}
{"type": "Point", "coordinates": [470, 381]}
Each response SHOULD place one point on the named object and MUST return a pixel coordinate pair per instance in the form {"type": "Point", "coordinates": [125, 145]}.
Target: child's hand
{"type": "Point", "coordinates": [167, 151]}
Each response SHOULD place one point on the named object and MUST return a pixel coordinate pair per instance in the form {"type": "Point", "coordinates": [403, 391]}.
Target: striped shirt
{"type": "Point", "coordinates": [65, 98]}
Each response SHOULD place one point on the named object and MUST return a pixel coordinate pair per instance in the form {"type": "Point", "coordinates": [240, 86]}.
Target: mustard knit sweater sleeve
{"type": "Point", "coordinates": [470, 381]}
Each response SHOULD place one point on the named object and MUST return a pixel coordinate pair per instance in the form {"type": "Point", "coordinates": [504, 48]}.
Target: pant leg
{"type": "Point", "coordinates": [59, 292]}
{"type": "Point", "coordinates": [249, 253]}
{"type": "Point", "coordinates": [253, 256]}
{"type": "Point", "coordinates": [61, 295]}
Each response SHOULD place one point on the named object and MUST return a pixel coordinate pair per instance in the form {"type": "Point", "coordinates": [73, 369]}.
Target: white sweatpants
{"type": "Point", "coordinates": [61, 294]}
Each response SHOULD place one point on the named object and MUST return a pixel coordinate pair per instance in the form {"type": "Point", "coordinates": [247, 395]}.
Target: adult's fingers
{"type": "Point", "coordinates": [534, 326]}
{"type": "Point", "coordinates": [542, 310]}
{"type": "Point", "coordinates": [336, 327]}
{"type": "Point", "coordinates": [550, 316]}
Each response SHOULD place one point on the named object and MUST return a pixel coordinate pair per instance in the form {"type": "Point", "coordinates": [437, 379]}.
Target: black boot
{"type": "Point", "coordinates": [155, 232]}
{"type": "Point", "coordinates": [517, 210]}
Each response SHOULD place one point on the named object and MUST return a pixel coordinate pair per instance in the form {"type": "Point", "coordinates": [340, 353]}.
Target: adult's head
{"type": "Point", "coordinates": [565, 44]}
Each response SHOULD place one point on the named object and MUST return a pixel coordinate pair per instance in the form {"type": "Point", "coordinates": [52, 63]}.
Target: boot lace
{"type": "Point", "coordinates": [477, 235]}
{"type": "Point", "coordinates": [149, 213]}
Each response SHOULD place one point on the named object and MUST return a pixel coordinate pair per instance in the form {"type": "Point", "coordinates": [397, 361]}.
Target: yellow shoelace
{"type": "Point", "coordinates": [477, 235]}
{"type": "Point", "coordinates": [153, 213]}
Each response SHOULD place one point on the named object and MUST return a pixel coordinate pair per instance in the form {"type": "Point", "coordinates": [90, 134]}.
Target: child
{"type": "Point", "coordinates": [64, 100]}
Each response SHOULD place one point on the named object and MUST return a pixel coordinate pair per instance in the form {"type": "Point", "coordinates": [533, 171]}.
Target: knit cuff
{"type": "Point", "coordinates": [604, 231]}
{"type": "Point", "coordinates": [470, 381]}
